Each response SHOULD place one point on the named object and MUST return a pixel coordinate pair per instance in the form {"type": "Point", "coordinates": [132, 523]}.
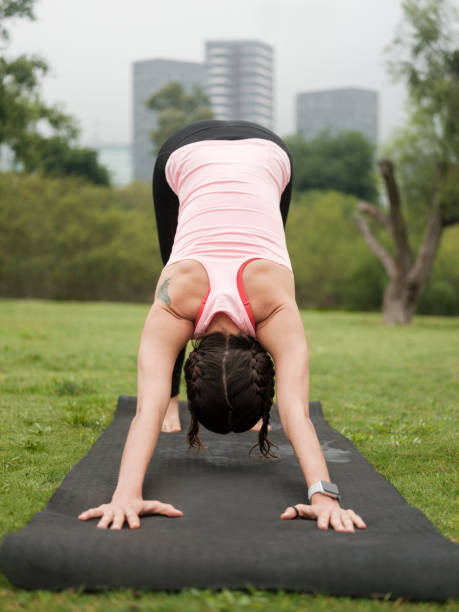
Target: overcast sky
{"type": "Point", "coordinates": [90, 46]}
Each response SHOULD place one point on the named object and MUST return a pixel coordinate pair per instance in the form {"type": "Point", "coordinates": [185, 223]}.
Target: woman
{"type": "Point", "coordinates": [221, 192]}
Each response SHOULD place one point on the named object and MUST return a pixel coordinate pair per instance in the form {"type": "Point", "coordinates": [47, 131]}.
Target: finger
{"type": "Point", "coordinates": [118, 521]}
{"type": "Point", "coordinates": [347, 522]}
{"type": "Point", "coordinates": [308, 511]}
{"type": "Point", "coordinates": [323, 519]}
{"type": "Point", "coordinates": [91, 513]}
{"type": "Point", "coordinates": [170, 510]}
{"type": "Point", "coordinates": [289, 513]}
{"type": "Point", "coordinates": [157, 507]}
{"type": "Point", "coordinates": [335, 521]}
{"type": "Point", "coordinates": [150, 506]}
{"type": "Point", "coordinates": [133, 520]}
{"type": "Point", "coordinates": [106, 519]}
{"type": "Point", "coordinates": [358, 520]}
{"type": "Point", "coordinates": [304, 511]}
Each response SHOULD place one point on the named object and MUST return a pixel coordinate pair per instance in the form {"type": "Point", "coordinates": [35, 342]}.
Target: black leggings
{"type": "Point", "coordinates": [166, 202]}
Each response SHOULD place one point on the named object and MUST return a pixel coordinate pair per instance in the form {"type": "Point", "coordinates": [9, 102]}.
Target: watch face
{"type": "Point", "coordinates": [329, 487]}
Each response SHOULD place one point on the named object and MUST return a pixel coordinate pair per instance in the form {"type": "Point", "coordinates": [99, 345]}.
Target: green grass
{"type": "Point", "coordinates": [393, 391]}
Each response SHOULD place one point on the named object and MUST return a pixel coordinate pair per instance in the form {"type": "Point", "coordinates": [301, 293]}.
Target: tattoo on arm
{"type": "Point", "coordinates": [162, 293]}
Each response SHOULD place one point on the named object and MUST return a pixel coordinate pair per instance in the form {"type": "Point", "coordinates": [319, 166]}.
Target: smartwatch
{"type": "Point", "coordinates": [327, 488]}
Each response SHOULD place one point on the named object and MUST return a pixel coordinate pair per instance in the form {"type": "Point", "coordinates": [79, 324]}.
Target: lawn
{"type": "Point", "coordinates": [394, 391]}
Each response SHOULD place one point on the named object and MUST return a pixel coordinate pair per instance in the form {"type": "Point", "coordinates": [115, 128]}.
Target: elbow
{"type": "Point", "coordinates": [294, 422]}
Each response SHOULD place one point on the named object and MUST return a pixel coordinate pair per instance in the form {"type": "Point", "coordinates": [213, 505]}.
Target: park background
{"type": "Point", "coordinates": [79, 256]}
{"type": "Point", "coordinates": [346, 232]}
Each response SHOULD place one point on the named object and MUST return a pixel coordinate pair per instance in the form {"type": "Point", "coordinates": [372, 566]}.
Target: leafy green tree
{"type": "Point", "coordinates": [424, 196]}
{"type": "Point", "coordinates": [344, 162]}
{"type": "Point", "coordinates": [65, 238]}
{"type": "Point", "coordinates": [21, 107]}
{"type": "Point", "coordinates": [54, 156]}
{"type": "Point", "coordinates": [22, 111]}
{"type": "Point", "coordinates": [332, 266]}
{"type": "Point", "coordinates": [175, 108]}
{"type": "Point", "coordinates": [14, 8]}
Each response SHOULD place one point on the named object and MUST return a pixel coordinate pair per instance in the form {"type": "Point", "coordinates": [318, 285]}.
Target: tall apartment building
{"type": "Point", "coordinates": [345, 108]}
{"type": "Point", "coordinates": [148, 77]}
{"type": "Point", "coordinates": [239, 80]}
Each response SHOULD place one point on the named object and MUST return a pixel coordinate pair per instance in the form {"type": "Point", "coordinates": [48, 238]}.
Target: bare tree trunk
{"type": "Point", "coordinates": [400, 301]}
{"type": "Point", "coordinates": [406, 274]}
{"type": "Point", "coordinates": [394, 302]}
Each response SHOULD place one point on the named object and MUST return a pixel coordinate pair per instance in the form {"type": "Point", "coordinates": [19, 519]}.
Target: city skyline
{"type": "Point", "coordinates": [238, 77]}
{"type": "Point", "coordinates": [317, 45]}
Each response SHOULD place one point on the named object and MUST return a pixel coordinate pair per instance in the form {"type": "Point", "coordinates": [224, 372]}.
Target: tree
{"type": "Point", "coordinates": [344, 162]}
{"type": "Point", "coordinates": [22, 111]}
{"type": "Point", "coordinates": [14, 8]}
{"type": "Point", "coordinates": [21, 107]}
{"type": "Point", "coordinates": [54, 156]}
{"type": "Point", "coordinates": [425, 152]}
{"type": "Point", "coordinates": [176, 108]}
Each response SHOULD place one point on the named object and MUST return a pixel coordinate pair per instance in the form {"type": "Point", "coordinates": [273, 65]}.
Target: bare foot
{"type": "Point", "coordinates": [258, 425]}
{"type": "Point", "coordinates": [171, 421]}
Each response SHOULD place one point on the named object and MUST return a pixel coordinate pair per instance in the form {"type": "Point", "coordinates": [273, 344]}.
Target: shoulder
{"type": "Point", "coordinates": [282, 333]}
{"type": "Point", "coordinates": [181, 287]}
{"type": "Point", "coordinates": [268, 286]}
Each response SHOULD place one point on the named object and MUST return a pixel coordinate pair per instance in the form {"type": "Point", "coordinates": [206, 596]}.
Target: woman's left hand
{"type": "Point", "coordinates": [326, 511]}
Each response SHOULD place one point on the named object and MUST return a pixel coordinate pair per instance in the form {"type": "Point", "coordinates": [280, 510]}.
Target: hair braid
{"type": "Point", "coordinates": [263, 381]}
{"type": "Point", "coordinates": [193, 372]}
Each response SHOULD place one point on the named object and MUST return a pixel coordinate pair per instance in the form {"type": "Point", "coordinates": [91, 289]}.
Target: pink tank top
{"type": "Point", "coordinates": [229, 214]}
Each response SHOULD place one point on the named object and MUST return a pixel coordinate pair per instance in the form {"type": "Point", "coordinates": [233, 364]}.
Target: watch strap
{"type": "Point", "coordinates": [325, 487]}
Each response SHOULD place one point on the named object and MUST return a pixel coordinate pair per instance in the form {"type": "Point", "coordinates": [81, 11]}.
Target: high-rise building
{"type": "Point", "coordinates": [148, 77]}
{"type": "Point", "coordinates": [345, 108]}
{"type": "Point", "coordinates": [239, 80]}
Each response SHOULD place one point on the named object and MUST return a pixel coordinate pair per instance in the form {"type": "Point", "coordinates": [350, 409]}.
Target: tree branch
{"type": "Point", "coordinates": [380, 252]}
{"type": "Point", "coordinates": [429, 246]}
{"type": "Point", "coordinates": [377, 214]}
{"type": "Point", "coordinates": [403, 252]}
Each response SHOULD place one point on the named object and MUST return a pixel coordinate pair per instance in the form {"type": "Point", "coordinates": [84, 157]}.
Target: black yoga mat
{"type": "Point", "coordinates": [230, 535]}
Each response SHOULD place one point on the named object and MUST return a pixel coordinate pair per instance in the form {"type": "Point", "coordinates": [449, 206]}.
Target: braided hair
{"type": "Point", "coordinates": [230, 386]}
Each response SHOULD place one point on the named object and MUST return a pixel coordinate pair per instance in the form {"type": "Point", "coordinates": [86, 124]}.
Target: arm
{"type": "Point", "coordinates": [282, 334]}
{"type": "Point", "coordinates": [284, 337]}
{"type": "Point", "coordinates": [163, 336]}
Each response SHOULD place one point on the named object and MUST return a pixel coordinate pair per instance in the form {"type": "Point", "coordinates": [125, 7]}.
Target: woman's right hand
{"type": "Point", "coordinates": [128, 509]}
